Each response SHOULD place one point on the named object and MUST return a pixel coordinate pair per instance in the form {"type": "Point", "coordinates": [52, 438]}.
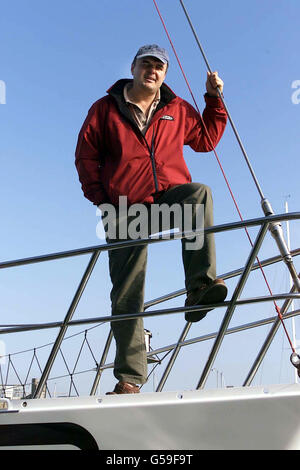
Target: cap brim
{"type": "Point", "coordinates": [164, 61]}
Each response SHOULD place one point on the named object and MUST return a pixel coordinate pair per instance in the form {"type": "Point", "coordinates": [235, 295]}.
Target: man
{"type": "Point", "coordinates": [131, 144]}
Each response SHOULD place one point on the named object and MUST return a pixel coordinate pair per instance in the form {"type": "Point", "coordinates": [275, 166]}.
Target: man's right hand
{"type": "Point", "coordinates": [213, 83]}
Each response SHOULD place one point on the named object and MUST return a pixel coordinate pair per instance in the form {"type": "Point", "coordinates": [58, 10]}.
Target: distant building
{"type": "Point", "coordinates": [13, 392]}
{"type": "Point", "coordinates": [17, 392]}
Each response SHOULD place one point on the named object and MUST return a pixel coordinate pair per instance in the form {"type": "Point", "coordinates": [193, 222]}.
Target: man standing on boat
{"type": "Point", "coordinates": [131, 144]}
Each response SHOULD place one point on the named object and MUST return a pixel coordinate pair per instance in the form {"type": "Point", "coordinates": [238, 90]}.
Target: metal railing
{"type": "Point", "coordinates": [264, 224]}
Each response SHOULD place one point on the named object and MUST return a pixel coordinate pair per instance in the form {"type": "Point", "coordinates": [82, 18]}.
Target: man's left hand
{"type": "Point", "coordinates": [214, 83]}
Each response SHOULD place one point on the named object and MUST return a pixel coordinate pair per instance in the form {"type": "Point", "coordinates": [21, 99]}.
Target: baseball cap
{"type": "Point", "coordinates": [153, 50]}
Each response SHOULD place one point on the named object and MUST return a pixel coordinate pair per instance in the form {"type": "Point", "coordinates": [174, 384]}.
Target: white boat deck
{"type": "Point", "coordinates": [230, 418]}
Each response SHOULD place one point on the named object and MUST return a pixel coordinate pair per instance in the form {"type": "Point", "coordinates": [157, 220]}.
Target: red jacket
{"type": "Point", "coordinates": [114, 159]}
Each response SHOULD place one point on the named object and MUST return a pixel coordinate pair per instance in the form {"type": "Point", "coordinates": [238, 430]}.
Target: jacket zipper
{"type": "Point", "coordinates": [152, 153]}
{"type": "Point", "coordinates": [126, 113]}
{"type": "Point", "coordinates": [151, 150]}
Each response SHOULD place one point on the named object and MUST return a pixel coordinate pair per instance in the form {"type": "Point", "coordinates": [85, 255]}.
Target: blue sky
{"type": "Point", "coordinates": [57, 58]}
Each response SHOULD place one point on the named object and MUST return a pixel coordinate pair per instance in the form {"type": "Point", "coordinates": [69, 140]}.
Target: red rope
{"type": "Point", "coordinates": [222, 170]}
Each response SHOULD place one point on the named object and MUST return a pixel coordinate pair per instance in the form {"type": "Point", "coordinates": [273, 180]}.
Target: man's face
{"type": "Point", "coordinates": [149, 73]}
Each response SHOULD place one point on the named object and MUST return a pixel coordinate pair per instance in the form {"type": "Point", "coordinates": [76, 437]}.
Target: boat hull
{"type": "Point", "coordinates": [230, 418]}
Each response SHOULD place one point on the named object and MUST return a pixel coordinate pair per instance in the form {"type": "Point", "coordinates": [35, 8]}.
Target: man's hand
{"type": "Point", "coordinates": [213, 82]}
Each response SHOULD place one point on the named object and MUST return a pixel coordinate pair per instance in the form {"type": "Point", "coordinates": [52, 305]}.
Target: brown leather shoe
{"type": "Point", "coordinates": [124, 387]}
{"type": "Point", "coordinates": [212, 293]}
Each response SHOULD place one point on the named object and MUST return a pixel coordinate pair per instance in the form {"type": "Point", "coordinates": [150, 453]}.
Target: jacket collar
{"type": "Point", "coordinates": [116, 92]}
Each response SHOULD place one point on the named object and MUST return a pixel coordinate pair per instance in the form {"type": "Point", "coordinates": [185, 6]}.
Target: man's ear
{"type": "Point", "coordinates": [132, 67]}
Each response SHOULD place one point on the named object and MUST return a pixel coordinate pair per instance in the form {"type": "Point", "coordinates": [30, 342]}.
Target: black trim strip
{"type": "Point", "coordinates": [46, 434]}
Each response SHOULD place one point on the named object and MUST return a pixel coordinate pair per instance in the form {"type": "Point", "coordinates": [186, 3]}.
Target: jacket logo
{"type": "Point", "coordinates": [167, 117]}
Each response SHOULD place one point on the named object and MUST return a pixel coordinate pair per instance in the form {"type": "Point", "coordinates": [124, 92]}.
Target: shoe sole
{"type": "Point", "coordinates": [215, 294]}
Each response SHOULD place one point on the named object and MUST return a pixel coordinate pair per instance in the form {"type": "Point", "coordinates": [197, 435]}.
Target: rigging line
{"type": "Point", "coordinates": [224, 104]}
{"type": "Point", "coordinates": [203, 123]}
{"type": "Point", "coordinates": [219, 162]}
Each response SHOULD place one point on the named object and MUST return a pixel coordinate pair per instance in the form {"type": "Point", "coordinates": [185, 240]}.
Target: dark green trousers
{"type": "Point", "coordinates": [128, 268]}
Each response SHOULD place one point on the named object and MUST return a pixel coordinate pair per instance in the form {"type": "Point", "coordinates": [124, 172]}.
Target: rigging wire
{"type": "Point", "coordinates": [224, 104]}
{"type": "Point", "coordinates": [217, 157]}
